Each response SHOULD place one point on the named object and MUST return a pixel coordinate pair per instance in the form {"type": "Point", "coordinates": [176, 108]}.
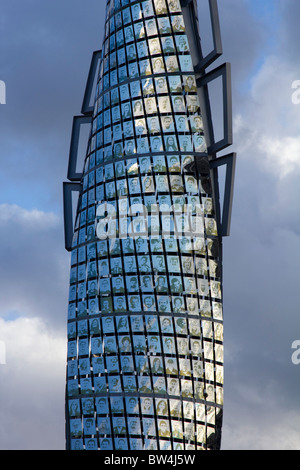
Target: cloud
{"type": "Point", "coordinates": [262, 255]}
{"type": "Point", "coordinates": [257, 420]}
{"type": "Point", "coordinates": [288, 32]}
{"type": "Point", "coordinates": [34, 280]}
{"type": "Point", "coordinates": [32, 386]}
{"type": "Point", "coordinates": [267, 130]}
{"type": "Point", "coordinates": [33, 264]}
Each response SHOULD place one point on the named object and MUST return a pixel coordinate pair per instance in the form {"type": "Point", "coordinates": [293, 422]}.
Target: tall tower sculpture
{"type": "Point", "coordinates": [145, 316]}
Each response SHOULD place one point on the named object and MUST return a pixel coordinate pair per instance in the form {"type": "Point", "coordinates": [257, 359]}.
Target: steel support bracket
{"type": "Point", "coordinates": [68, 189]}
{"type": "Point", "coordinates": [223, 71]}
{"type": "Point", "coordinates": [78, 121]}
{"type": "Point", "coordinates": [230, 162]}
{"type": "Point", "coordinates": [86, 108]}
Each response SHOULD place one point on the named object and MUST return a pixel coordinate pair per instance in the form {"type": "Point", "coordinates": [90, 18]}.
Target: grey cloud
{"type": "Point", "coordinates": [288, 31]}
{"type": "Point", "coordinates": [34, 266]}
{"type": "Point", "coordinates": [261, 257]}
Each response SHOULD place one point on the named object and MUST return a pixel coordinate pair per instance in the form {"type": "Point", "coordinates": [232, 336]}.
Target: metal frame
{"type": "Point", "coordinates": [191, 20]}
{"type": "Point", "coordinates": [86, 108]}
{"type": "Point", "coordinates": [230, 162]}
{"type": "Point", "coordinates": [217, 40]}
{"type": "Point", "coordinates": [203, 79]}
{"type": "Point", "coordinates": [78, 121]}
{"type": "Point", "coordinates": [200, 63]}
{"type": "Point", "coordinates": [223, 71]}
{"type": "Point", "coordinates": [72, 174]}
{"type": "Point", "coordinates": [68, 189]}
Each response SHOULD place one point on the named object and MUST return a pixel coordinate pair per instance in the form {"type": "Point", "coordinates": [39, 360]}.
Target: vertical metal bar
{"type": "Point", "coordinates": [68, 189]}
{"type": "Point", "coordinates": [77, 122]}
{"type": "Point", "coordinates": [86, 108]}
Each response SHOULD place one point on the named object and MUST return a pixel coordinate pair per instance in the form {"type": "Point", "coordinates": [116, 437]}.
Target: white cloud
{"type": "Point", "coordinates": [266, 127]}
{"type": "Point", "coordinates": [30, 219]}
{"type": "Point", "coordinates": [32, 386]}
{"type": "Point", "coordinates": [34, 282]}
{"type": "Point", "coordinates": [31, 339]}
{"type": "Point", "coordinates": [282, 154]}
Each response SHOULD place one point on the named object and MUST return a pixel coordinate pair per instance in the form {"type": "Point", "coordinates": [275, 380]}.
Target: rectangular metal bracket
{"type": "Point", "coordinates": [223, 71]}
{"type": "Point", "coordinates": [77, 122]}
{"type": "Point", "coordinates": [86, 108]}
{"type": "Point", "coordinates": [230, 162]}
{"type": "Point", "coordinates": [217, 40]}
{"type": "Point", "coordinates": [68, 189]}
{"type": "Point", "coordinates": [190, 13]}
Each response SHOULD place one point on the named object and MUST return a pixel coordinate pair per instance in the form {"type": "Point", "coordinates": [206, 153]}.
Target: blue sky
{"type": "Point", "coordinates": [266, 10]}
{"type": "Point", "coordinates": [45, 53]}
{"type": "Point", "coordinates": [267, 14]}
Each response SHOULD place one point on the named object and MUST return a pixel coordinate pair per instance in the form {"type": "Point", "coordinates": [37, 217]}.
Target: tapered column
{"type": "Point", "coordinates": [145, 315]}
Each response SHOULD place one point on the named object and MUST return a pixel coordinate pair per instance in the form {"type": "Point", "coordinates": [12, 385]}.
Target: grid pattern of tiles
{"type": "Point", "coordinates": [145, 331]}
